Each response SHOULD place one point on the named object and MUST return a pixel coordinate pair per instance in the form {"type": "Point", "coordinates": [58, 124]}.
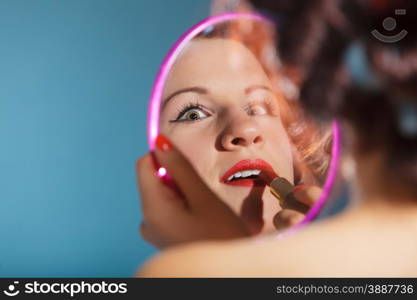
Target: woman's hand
{"type": "Point", "coordinates": [290, 215]}
{"type": "Point", "coordinates": [173, 217]}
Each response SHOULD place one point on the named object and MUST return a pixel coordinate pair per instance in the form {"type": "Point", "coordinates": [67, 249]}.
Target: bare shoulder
{"type": "Point", "coordinates": [191, 260]}
{"type": "Point", "coordinates": [249, 257]}
{"type": "Point", "coordinates": [327, 249]}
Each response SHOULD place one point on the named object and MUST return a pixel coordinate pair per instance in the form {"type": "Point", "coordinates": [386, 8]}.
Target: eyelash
{"type": "Point", "coordinates": [272, 108]}
{"type": "Point", "coordinates": [267, 103]}
{"type": "Point", "coordinates": [182, 111]}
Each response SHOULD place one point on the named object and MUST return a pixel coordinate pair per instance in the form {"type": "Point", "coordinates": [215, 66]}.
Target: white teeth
{"type": "Point", "coordinates": [245, 174]}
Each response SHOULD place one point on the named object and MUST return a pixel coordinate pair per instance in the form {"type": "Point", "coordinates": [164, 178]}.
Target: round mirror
{"type": "Point", "coordinates": [222, 101]}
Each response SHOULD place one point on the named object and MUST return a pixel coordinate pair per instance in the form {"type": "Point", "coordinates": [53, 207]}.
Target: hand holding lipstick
{"type": "Point", "coordinates": [294, 200]}
{"type": "Point", "coordinates": [181, 209]}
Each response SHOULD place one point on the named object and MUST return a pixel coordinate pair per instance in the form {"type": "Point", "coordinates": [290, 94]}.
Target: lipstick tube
{"type": "Point", "coordinates": [282, 189]}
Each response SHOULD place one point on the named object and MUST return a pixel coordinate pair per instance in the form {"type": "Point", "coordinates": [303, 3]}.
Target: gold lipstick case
{"type": "Point", "coordinates": [282, 189]}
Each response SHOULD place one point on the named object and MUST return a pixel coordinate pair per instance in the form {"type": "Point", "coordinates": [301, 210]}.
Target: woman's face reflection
{"type": "Point", "coordinates": [219, 110]}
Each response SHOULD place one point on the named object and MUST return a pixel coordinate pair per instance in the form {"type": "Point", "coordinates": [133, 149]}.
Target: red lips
{"type": "Point", "coordinates": [245, 165]}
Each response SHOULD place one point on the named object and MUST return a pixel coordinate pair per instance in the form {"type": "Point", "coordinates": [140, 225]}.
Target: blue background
{"type": "Point", "coordinates": [75, 77]}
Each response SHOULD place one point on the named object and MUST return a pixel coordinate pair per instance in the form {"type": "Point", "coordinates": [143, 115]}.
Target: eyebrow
{"type": "Point", "coordinates": [203, 91]}
{"type": "Point", "coordinates": [194, 89]}
{"type": "Point", "coordinates": [250, 89]}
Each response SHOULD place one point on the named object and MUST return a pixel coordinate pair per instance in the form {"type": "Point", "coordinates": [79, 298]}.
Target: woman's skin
{"type": "Point", "coordinates": [377, 237]}
{"type": "Point", "coordinates": [225, 113]}
{"type": "Point", "coordinates": [196, 212]}
{"type": "Point", "coordinates": [219, 109]}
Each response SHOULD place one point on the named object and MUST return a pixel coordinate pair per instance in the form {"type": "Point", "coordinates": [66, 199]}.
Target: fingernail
{"type": "Point", "coordinates": [162, 143]}
{"type": "Point", "coordinates": [299, 188]}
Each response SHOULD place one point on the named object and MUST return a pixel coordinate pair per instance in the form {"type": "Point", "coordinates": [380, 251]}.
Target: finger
{"type": "Point", "coordinates": [307, 195]}
{"type": "Point", "coordinates": [184, 174]}
{"type": "Point", "coordinates": [287, 218]}
{"type": "Point", "coordinates": [156, 198]}
{"type": "Point", "coordinates": [145, 232]}
{"type": "Point", "coordinates": [151, 236]}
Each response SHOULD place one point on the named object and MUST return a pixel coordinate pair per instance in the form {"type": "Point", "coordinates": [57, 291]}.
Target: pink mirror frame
{"type": "Point", "coordinates": [156, 96]}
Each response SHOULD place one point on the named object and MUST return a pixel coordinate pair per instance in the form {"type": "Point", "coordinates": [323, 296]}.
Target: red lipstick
{"type": "Point", "coordinates": [246, 173]}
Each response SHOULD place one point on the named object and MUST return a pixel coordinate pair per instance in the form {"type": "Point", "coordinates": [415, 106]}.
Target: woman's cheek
{"type": "Point", "coordinates": [195, 146]}
{"type": "Point", "coordinates": [275, 134]}
{"type": "Point", "coordinates": [279, 148]}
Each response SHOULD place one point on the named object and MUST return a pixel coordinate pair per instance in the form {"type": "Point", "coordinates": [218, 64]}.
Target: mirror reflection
{"type": "Point", "coordinates": [236, 118]}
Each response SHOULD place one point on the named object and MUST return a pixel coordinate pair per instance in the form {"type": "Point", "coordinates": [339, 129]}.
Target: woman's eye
{"type": "Point", "coordinates": [193, 114]}
{"type": "Point", "coordinates": [258, 110]}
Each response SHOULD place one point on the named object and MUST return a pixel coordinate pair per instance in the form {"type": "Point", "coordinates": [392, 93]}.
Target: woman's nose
{"type": "Point", "coordinates": [241, 132]}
